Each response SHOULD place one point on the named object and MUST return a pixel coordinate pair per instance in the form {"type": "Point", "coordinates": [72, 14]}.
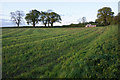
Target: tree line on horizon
{"type": "Point", "coordinates": [105, 17]}
{"type": "Point", "coordinates": [34, 17]}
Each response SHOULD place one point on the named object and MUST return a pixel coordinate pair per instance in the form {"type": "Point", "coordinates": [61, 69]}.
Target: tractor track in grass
{"type": "Point", "coordinates": [4, 31]}
{"type": "Point", "coordinates": [83, 46]}
{"type": "Point", "coordinates": [49, 55]}
{"type": "Point", "coordinates": [67, 38]}
{"type": "Point", "coordinates": [12, 33]}
{"type": "Point", "coordinates": [34, 41]}
{"type": "Point", "coordinates": [57, 55]}
{"type": "Point", "coordinates": [60, 56]}
{"type": "Point", "coordinates": [24, 38]}
{"type": "Point", "coordinates": [62, 42]}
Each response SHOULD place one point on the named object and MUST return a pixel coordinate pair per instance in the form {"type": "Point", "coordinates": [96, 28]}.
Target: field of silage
{"type": "Point", "coordinates": [60, 52]}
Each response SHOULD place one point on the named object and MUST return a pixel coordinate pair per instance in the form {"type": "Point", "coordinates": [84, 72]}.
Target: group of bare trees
{"type": "Point", "coordinates": [34, 17]}
{"type": "Point", "coordinates": [17, 17]}
{"type": "Point", "coordinates": [82, 20]}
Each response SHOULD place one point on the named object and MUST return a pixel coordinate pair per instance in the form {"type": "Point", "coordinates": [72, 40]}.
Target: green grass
{"type": "Point", "coordinates": [60, 52]}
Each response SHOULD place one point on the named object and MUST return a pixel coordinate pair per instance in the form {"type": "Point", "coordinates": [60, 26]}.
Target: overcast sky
{"type": "Point", "coordinates": [70, 11]}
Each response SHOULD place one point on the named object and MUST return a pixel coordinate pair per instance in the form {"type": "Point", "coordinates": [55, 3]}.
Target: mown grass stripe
{"type": "Point", "coordinates": [43, 58]}
{"type": "Point", "coordinates": [69, 53]}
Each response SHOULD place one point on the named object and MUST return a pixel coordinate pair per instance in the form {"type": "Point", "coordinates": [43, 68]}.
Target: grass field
{"type": "Point", "coordinates": [60, 52]}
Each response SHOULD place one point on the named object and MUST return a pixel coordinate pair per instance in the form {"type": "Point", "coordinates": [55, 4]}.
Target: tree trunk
{"type": "Point", "coordinates": [105, 21]}
{"type": "Point", "coordinates": [17, 25]}
{"type": "Point", "coordinates": [51, 24]}
{"type": "Point", "coordinates": [45, 25]}
{"type": "Point", "coordinates": [48, 24]}
{"type": "Point", "coordinates": [33, 24]}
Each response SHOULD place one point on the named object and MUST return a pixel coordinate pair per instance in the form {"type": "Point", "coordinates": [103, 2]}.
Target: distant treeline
{"type": "Point", "coordinates": [47, 18]}
{"type": "Point", "coordinates": [105, 17]}
{"type": "Point", "coordinates": [82, 24]}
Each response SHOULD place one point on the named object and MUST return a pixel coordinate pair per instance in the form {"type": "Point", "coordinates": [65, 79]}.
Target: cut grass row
{"type": "Point", "coordinates": [62, 53]}
{"type": "Point", "coordinates": [11, 59]}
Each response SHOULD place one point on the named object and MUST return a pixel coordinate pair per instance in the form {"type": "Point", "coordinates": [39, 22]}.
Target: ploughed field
{"type": "Point", "coordinates": [60, 52]}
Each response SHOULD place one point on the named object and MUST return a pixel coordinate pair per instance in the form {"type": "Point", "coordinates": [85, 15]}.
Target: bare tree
{"type": "Point", "coordinates": [84, 20]}
{"type": "Point", "coordinates": [17, 17]}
